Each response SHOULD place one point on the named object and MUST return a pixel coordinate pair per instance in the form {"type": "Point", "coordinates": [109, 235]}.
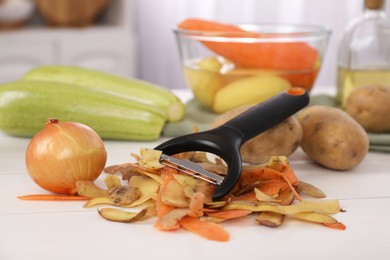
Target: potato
{"type": "Point", "coordinates": [370, 107]}
{"type": "Point", "coordinates": [332, 138]}
{"type": "Point", "coordinates": [282, 139]}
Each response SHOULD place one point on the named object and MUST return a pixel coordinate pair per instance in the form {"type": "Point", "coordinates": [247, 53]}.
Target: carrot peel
{"type": "Point", "coordinates": [52, 197]}
{"type": "Point", "coordinates": [161, 207]}
{"type": "Point", "coordinates": [209, 230]}
{"type": "Point", "coordinates": [230, 214]}
{"type": "Point", "coordinates": [338, 225]}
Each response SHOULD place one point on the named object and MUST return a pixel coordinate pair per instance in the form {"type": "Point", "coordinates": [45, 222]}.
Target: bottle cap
{"type": "Point", "coordinates": [373, 4]}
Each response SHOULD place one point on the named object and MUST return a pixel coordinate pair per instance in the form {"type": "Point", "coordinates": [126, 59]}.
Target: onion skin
{"type": "Point", "coordinates": [63, 153]}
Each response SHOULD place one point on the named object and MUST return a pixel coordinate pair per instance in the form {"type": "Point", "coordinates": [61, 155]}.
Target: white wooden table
{"type": "Point", "coordinates": [66, 230]}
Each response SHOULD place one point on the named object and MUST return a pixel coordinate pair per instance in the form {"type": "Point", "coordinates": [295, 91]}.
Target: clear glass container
{"type": "Point", "coordinates": [250, 63]}
{"type": "Point", "coordinates": [364, 52]}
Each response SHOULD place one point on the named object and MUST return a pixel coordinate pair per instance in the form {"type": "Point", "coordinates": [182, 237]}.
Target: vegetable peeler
{"type": "Point", "coordinates": [225, 141]}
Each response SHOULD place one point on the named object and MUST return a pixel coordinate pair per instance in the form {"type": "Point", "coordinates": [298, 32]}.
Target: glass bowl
{"type": "Point", "coordinates": [229, 69]}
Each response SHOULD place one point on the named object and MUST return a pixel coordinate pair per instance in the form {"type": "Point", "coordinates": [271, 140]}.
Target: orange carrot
{"type": "Point", "coordinates": [230, 214]}
{"type": "Point", "coordinates": [209, 230]}
{"type": "Point", "coordinates": [278, 56]}
{"type": "Point", "coordinates": [52, 197]}
{"type": "Point", "coordinates": [302, 79]}
{"type": "Point", "coordinates": [195, 24]}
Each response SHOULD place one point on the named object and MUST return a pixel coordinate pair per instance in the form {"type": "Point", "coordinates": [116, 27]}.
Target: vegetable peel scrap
{"type": "Point", "coordinates": [52, 197]}
{"type": "Point", "coordinates": [179, 201]}
{"type": "Point", "coordinates": [146, 189]}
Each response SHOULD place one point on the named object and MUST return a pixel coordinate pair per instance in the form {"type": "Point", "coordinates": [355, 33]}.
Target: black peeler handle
{"type": "Point", "coordinates": [225, 141]}
{"type": "Point", "coordinates": [268, 113]}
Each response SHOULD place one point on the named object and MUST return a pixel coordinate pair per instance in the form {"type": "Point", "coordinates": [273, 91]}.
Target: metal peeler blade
{"type": "Point", "coordinates": [191, 168]}
{"type": "Point", "coordinates": [225, 141]}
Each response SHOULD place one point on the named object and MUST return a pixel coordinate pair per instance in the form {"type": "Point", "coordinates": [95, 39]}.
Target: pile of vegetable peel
{"type": "Point", "coordinates": [147, 189]}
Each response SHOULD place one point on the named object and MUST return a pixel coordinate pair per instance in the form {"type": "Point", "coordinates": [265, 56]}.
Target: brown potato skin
{"type": "Point", "coordinates": [281, 140]}
{"type": "Point", "coordinates": [370, 107]}
{"type": "Point", "coordinates": [332, 138]}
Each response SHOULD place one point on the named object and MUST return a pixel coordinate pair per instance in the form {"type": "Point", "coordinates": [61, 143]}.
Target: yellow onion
{"type": "Point", "coordinates": [63, 153]}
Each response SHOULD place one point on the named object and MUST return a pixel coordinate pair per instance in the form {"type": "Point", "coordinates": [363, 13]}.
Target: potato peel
{"type": "Point", "coordinates": [272, 219]}
{"type": "Point", "coordinates": [178, 200]}
{"type": "Point", "coordinates": [90, 189]}
{"type": "Point", "coordinates": [310, 190]}
{"type": "Point", "coordinates": [98, 201]}
{"type": "Point", "coordinates": [112, 181]}
{"type": "Point", "coordinates": [118, 215]}
{"type": "Point", "coordinates": [324, 207]}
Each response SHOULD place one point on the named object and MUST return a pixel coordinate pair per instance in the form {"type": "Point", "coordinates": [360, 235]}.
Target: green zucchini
{"type": "Point", "coordinates": [26, 105]}
{"type": "Point", "coordinates": [133, 89]}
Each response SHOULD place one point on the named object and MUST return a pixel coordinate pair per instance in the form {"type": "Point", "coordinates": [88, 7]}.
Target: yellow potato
{"type": "Point", "coordinates": [370, 107]}
{"type": "Point", "coordinates": [205, 81]}
{"type": "Point", "coordinates": [282, 139]}
{"type": "Point", "coordinates": [332, 138]}
{"type": "Point", "coordinates": [248, 91]}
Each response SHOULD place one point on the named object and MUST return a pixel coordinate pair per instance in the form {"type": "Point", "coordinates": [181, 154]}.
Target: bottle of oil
{"type": "Point", "coordinates": [364, 52]}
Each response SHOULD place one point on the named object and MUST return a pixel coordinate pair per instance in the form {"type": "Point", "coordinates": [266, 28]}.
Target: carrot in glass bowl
{"type": "Point", "coordinates": [297, 61]}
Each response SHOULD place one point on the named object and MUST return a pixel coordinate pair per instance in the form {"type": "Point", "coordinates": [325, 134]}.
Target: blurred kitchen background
{"type": "Point", "coordinates": [134, 37]}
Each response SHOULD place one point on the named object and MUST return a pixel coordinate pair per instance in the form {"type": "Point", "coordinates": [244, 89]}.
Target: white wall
{"type": "Point", "coordinates": [158, 60]}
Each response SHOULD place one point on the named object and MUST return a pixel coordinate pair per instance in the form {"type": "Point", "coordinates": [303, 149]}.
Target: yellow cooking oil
{"type": "Point", "coordinates": [349, 79]}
